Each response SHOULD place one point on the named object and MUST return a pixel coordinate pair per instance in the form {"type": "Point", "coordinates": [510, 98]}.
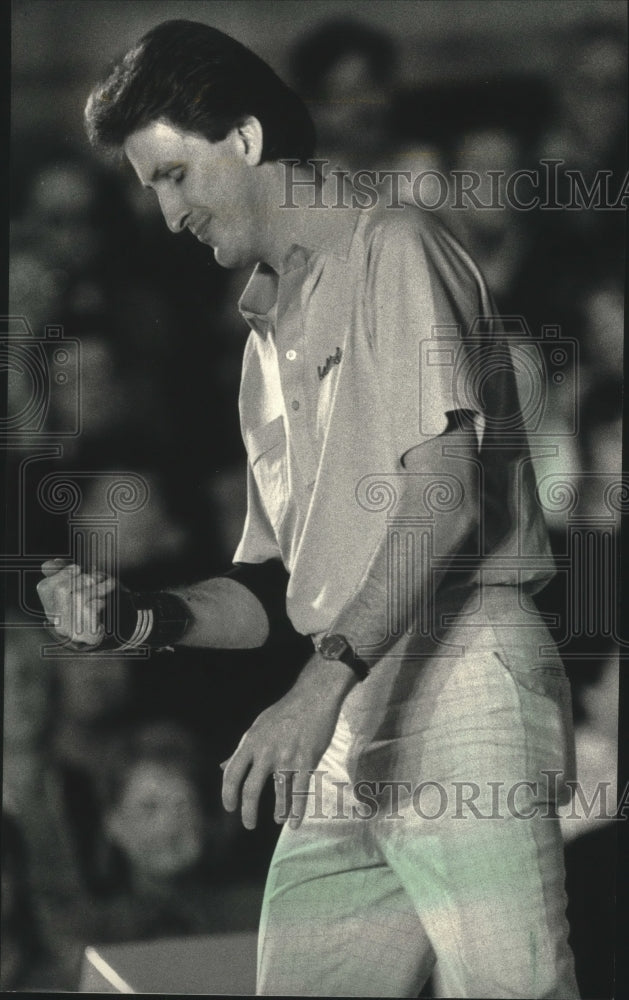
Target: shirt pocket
{"type": "Point", "coordinates": [266, 447]}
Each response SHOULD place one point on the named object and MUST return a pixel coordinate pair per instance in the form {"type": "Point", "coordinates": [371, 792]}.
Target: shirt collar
{"type": "Point", "coordinates": [313, 229]}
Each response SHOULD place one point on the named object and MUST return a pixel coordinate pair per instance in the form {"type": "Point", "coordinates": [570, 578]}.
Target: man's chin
{"type": "Point", "coordinates": [223, 257]}
{"type": "Point", "coordinates": [231, 260]}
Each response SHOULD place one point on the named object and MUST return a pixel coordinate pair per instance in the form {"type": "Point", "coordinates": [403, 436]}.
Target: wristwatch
{"type": "Point", "coordinates": [336, 647]}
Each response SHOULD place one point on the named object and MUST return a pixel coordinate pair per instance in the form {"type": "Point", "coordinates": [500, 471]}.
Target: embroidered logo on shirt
{"type": "Point", "coordinates": [332, 359]}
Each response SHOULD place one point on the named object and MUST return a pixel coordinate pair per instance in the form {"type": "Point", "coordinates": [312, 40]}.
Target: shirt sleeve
{"type": "Point", "coordinates": [423, 295]}
{"type": "Point", "coordinates": [362, 620]}
{"type": "Point", "coordinates": [258, 542]}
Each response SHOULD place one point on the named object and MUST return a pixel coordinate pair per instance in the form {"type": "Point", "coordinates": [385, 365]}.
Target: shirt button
{"type": "Point", "coordinates": [291, 355]}
{"type": "Point", "coordinates": [295, 404]}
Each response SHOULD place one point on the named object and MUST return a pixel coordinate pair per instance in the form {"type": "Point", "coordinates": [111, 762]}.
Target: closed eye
{"type": "Point", "coordinates": [175, 173]}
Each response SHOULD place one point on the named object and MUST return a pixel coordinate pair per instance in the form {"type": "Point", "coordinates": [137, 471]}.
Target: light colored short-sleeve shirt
{"type": "Point", "coordinates": [354, 358]}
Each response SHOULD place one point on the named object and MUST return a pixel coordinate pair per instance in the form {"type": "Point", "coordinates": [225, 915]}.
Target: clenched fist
{"type": "Point", "coordinates": [74, 601]}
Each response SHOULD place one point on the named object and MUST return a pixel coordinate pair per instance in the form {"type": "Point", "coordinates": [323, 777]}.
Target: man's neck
{"type": "Point", "coordinates": [289, 191]}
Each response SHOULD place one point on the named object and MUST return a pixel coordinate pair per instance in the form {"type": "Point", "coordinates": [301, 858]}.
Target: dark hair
{"type": "Point", "coordinates": [202, 81]}
{"type": "Point", "coordinates": [320, 50]}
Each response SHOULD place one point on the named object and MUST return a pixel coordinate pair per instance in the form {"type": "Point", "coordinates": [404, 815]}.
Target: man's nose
{"type": "Point", "coordinates": [175, 213]}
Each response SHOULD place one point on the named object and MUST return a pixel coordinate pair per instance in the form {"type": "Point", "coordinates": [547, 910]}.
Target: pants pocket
{"type": "Point", "coordinates": [546, 711]}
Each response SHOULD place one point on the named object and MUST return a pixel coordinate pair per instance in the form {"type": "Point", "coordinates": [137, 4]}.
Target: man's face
{"type": "Point", "coordinates": [158, 822]}
{"type": "Point", "coordinates": [206, 187]}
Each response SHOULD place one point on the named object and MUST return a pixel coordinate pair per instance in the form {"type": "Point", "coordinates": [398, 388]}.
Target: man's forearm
{"type": "Point", "coordinates": [223, 615]}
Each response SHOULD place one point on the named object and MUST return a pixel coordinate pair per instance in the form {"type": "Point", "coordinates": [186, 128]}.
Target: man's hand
{"type": "Point", "coordinates": [74, 601]}
{"type": "Point", "coordinates": [291, 737]}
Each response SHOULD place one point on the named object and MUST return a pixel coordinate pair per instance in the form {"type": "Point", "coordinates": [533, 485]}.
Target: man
{"type": "Point", "coordinates": [389, 507]}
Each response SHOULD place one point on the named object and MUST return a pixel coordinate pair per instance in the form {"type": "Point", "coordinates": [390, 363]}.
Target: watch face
{"type": "Point", "coordinates": [332, 646]}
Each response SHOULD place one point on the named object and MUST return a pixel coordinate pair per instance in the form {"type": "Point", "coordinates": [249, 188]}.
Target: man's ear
{"type": "Point", "coordinates": [250, 135]}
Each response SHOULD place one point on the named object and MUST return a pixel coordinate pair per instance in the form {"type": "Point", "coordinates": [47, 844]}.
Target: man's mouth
{"type": "Point", "coordinates": [201, 231]}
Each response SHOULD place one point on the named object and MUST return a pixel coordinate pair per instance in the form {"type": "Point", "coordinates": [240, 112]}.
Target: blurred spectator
{"type": "Point", "coordinates": [590, 118]}
{"type": "Point", "coordinates": [587, 133]}
{"type": "Point", "coordinates": [493, 127]}
{"type": "Point", "coordinates": [347, 72]}
{"type": "Point", "coordinates": [29, 784]}
{"type": "Point", "coordinates": [592, 393]}
{"type": "Point", "coordinates": [603, 317]}
{"type": "Point", "coordinates": [26, 963]}
{"type": "Point", "coordinates": [33, 791]}
{"type": "Point", "coordinates": [500, 239]}
{"type": "Point", "coordinates": [172, 860]}
{"type": "Point", "coordinates": [77, 265]}
{"type": "Point", "coordinates": [149, 533]}
{"type": "Point", "coordinates": [93, 701]}
{"type": "Point", "coordinates": [67, 218]}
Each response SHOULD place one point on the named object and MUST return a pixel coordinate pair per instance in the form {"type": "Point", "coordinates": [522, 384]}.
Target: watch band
{"type": "Point", "coordinates": [336, 647]}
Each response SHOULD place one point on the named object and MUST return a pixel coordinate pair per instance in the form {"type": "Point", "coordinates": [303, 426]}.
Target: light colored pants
{"type": "Point", "coordinates": [466, 868]}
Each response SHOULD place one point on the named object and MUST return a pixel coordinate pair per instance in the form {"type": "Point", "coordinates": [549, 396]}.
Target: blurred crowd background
{"type": "Point", "coordinates": [113, 829]}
